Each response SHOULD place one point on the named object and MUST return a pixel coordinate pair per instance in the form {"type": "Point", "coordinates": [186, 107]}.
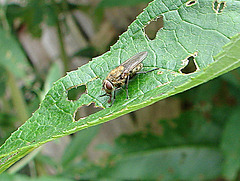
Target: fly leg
{"type": "Point", "coordinates": [127, 80]}
{"type": "Point", "coordinates": [114, 97]}
{"type": "Point", "coordinates": [144, 72]}
{"type": "Point", "coordinates": [103, 95]}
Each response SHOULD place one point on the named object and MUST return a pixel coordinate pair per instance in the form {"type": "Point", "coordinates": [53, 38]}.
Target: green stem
{"type": "Point", "coordinates": [64, 56]}
{"type": "Point", "coordinates": [17, 99]}
{"type": "Point", "coordinates": [6, 105]}
{"type": "Point", "coordinates": [3, 18]}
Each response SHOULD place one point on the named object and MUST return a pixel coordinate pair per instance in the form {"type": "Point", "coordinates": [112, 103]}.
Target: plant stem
{"type": "Point", "coordinates": [64, 56]}
{"type": "Point", "coordinates": [17, 98]}
{"type": "Point", "coordinates": [3, 17]}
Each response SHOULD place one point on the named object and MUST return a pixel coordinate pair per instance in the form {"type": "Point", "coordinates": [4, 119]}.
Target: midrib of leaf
{"type": "Point", "coordinates": [55, 119]}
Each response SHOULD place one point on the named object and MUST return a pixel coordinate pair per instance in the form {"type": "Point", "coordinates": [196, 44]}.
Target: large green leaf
{"type": "Point", "coordinates": [190, 30]}
{"type": "Point", "coordinates": [183, 163]}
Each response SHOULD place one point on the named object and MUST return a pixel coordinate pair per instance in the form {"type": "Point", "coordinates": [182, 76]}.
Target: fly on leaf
{"type": "Point", "coordinates": [121, 75]}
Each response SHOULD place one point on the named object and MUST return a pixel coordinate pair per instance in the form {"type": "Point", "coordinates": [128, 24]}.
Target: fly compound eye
{"type": "Point", "coordinates": [109, 85]}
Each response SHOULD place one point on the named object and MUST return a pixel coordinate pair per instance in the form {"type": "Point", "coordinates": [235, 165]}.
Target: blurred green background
{"type": "Point", "coordinates": [192, 136]}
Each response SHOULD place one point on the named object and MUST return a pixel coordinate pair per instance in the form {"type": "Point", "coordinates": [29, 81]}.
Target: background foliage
{"type": "Point", "coordinates": [201, 142]}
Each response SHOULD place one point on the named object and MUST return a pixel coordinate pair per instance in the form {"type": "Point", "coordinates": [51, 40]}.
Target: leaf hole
{"type": "Point", "coordinates": [215, 5]}
{"type": "Point", "coordinates": [85, 111]}
{"type": "Point", "coordinates": [191, 3]}
{"type": "Point", "coordinates": [221, 6]}
{"type": "Point", "coordinates": [218, 7]}
{"type": "Point", "coordinates": [76, 92]}
{"type": "Point", "coordinates": [152, 28]}
{"type": "Point", "coordinates": [190, 65]}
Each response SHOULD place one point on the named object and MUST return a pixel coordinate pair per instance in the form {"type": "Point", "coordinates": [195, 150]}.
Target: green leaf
{"type": "Point", "coordinates": [33, 15]}
{"type": "Point", "coordinates": [113, 3]}
{"type": "Point", "coordinates": [21, 177]}
{"type": "Point", "coordinates": [231, 146]}
{"type": "Point", "coordinates": [12, 56]}
{"type": "Point", "coordinates": [232, 79]}
{"type": "Point", "coordinates": [9, 177]}
{"type": "Point", "coordinates": [54, 74]}
{"type": "Point", "coordinates": [190, 128]}
{"type": "Point", "coordinates": [78, 144]}
{"type": "Point", "coordinates": [194, 129]}
{"type": "Point", "coordinates": [194, 30]}
{"type": "Point", "coordinates": [183, 163]}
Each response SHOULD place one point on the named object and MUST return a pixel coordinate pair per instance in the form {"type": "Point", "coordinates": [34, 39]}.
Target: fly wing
{"type": "Point", "coordinates": [132, 62]}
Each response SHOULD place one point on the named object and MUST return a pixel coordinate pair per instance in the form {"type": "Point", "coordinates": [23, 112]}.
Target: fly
{"type": "Point", "coordinates": [121, 75]}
